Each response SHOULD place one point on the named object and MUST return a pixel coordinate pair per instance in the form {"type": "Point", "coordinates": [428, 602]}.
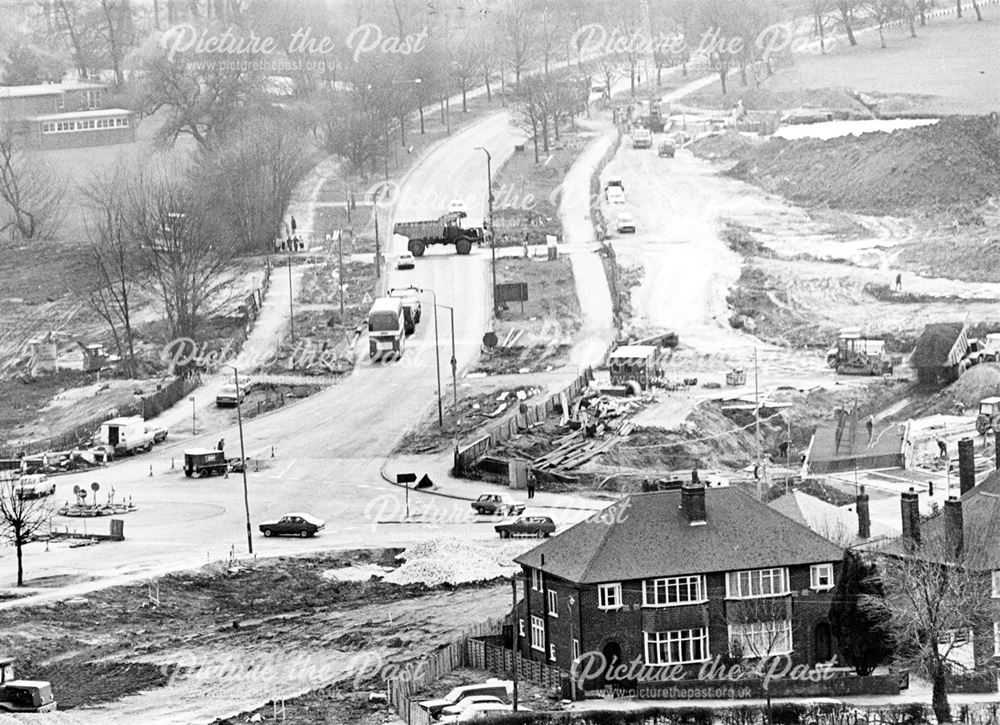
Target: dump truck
{"type": "Point", "coordinates": [447, 229]}
{"type": "Point", "coordinates": [127, 435]}
{"type": "Point", "coordinates": [857, 355]}
{"type": "Point", "coordinates": [635, 366]}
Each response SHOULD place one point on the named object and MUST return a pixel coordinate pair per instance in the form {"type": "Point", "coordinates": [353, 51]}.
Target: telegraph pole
{"type": "Point", "coordinates": [758, 469]}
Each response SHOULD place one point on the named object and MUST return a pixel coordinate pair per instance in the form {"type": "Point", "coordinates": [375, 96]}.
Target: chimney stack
{"type": "Point", "coordinates": [693, 503]}
{"type": "Point", "coordinates": [864, 516]}
{"type": "Point", "coordinates": [910, 507]}
{"type": "Point", "coordinates": [966, 465]}
{"type": "Point", "coordinates": [954, 525]}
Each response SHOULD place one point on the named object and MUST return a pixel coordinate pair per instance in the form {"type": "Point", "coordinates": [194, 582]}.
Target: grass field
{"type": "Point", "coordinates": [952, 60]}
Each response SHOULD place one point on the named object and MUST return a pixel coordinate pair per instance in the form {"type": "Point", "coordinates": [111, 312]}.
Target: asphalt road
{"type": "Point", "coordinates": [329, 448]}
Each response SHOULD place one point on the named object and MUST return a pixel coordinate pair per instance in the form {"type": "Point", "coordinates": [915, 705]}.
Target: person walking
{"type": "Point", "coordinates": [899, 281]}
{"type": "Point", "coordinates": [221, 445]}
{"type": "Point", "coordinates": [531, 484]}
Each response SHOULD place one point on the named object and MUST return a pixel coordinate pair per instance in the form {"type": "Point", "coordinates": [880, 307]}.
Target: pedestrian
{"type": "Point", "coordinates": [870, 425]}
{"type": "Point", "coordinates": [531, 484]}
{"type": "Point", "coordinates": [942, 448]}
{"type": "Point", "coordinates": [899, 281]}
{"type": "Point", "coordinates": [222, 444]}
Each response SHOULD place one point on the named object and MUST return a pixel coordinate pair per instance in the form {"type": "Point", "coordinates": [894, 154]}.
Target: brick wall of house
{"type": "Point", "coordinates": [596, 628]}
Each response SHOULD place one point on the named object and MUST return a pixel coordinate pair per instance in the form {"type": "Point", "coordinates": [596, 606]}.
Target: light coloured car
{"type": "Point", "coordinates": [466, 702]}
{"type": "Point", "coordinates": [498, 503]}
{"type": "Point", "coordinates": [481, 712]}
{"type": "Point", "coordinates": [35, 485]}
{"type": "Point", "coordinates": [625, 223]}
{"type": "Point", "coordinates": [405, 261]}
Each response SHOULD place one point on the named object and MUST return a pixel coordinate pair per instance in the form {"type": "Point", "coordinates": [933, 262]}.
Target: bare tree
{"type": "Point", "coordinates": [117, 30]}
{"type": "Point", "coordinates": [530, 104]}
{"type": "Point", "coordinates": [31, 194]}
{"type": "Point", "coordinates": [203, 98]}
{"type": "Point", "coordinates": [935, 593]}
{"type": "Point", "coordinates": [249, 180]}
{"type": "Point", "coordinates": [881, 12]}
{"type": "Point", "coordinates": [185, 267]}
{"type": "Point", "coordinates": [20, 517]}
{"type": "Point", "coordinates": [518, 37]}
{"type": "Point", "coordinates": [465, 69]}
{"type": "Point", "coordinates": [846, 8]}
{"type": "Point", "coordinates": [115, 258]}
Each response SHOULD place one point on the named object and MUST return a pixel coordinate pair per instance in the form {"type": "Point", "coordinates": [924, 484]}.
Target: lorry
{"type": "Point", "coordinates": [386, 328]}
{"type": "Point", "coordinates": [127, 435]}
{"type": "Point", "coordinates": [446, 229]}
{"type": "Point", "coordinates": [635, 366]}
{"type": "Point", "coordinates": [200, 462]}
{"type": "Point", "coordinates": [857, 355]}
{"type": "Point", "coordinates": [642, 138]}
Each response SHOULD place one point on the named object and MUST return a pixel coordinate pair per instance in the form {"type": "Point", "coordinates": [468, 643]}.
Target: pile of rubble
{"type": "Point", "coordinates": [597, 424]}
{"type": "Point", "coordinates": [451, 561]}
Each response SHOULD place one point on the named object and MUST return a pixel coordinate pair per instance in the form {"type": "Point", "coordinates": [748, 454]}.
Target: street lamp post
{"type": "Point", "coordinates": [192, 415]}
{"type": "Point", "coordinates": [489, 202]}
{"type": "Point", "coordinates": [291, 296]}
{"type": "Point", "coordinates": [243, 457]}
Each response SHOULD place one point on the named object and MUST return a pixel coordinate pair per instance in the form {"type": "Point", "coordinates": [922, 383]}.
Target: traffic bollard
{"type": "Point", "coordinates": [171, 463]}
{"type": "Point", "coordinates": [272, 451]}
{"type": "Point", "coordinates": [150, 471]}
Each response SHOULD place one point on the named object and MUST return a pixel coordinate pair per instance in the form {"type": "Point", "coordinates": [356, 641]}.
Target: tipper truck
{"type": "Point", "coordinates": [444, 230]}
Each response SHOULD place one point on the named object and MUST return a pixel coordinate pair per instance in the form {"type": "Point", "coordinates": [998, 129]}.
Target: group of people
{"type": "Point", "coordinates": [292, 244]}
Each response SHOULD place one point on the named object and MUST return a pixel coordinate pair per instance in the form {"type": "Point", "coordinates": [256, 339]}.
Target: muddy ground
{"type": "Point", "coordinates": [222, 637]}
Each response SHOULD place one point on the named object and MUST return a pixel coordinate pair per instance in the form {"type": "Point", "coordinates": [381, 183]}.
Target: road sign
{"type": "Point", "coordinates": [490, 340]}
{"type": "Point", "coordinates": [406, 477]}
{"type": "Point", "coordinates": [512, 292]}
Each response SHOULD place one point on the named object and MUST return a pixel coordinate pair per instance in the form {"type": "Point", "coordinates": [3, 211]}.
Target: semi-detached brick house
{"type": "Point", "coordinates": [64, 115]}
{"type": "Point", "coordinates": [679, 577]}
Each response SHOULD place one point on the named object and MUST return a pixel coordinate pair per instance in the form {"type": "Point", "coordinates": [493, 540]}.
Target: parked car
{"type": "Point", "coordinates": [35, 485]}
{"type": "Point", "coordinates": [404, 261]}
{"type": "Point", "coordinates": [466, 702]}
{"type": "Point", "coordinates": [537, 526]}
{"type": "Point", "coordinates": [481, 712]}
{"type": "Point", "coordinates": [625, 223]}
{"type": "Point", "coordinates": [497, 503]}
{"type": "Point", "coordinates": [665, 149]}
{"type": "Point", "coordinates": [501, 689]}
{"type": "Point", "coordinates": [237, 465]}
{"type": "Point", "coordinates": [228, 395]}
{"type": "Point", "coordinates": [294, 524]}
{"type": "Point", "coordinates": [615, 181]}
{"type": "Point", "coordinates": [159, 434]}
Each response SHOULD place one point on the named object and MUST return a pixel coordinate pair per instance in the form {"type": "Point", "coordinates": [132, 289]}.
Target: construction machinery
{"type": "Point", "coordinates": [858, 355]}
{"type": "Point", "coordinates": [20, 696]}
{"type": "Point", "coordinates": [989, 415]}
{"type": "Point", "coordinates": [446, 229]}
{"type": "Point", "coordinates": [736, 376]}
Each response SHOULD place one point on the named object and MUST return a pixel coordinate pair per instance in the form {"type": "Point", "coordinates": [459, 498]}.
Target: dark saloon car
{"type": "Point", "coordinates": [537, 526]}
{"type": "Point", "coordinates": [293, 525]}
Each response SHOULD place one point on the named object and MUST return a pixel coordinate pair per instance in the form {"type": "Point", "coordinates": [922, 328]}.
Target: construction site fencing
{"type": "Point", "coordinates": [148, 406]}
{"type": "Point", "coordinates": [421, 673]}
{"type": "Point", "coordinates": [525, 416]}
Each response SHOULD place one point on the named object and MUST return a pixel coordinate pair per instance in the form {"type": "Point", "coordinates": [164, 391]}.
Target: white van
{"type": "Point", "coordinates": [386, 327]}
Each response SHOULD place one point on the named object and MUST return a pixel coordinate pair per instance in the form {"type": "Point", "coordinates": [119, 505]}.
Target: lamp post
{"type": "Point", "coordinates": [243, 457]}
{"type": "Point", "coordinates": [291, 296]}
{"type": "Point", "coordinates": [192, 415]}
{"type": "Point", "coordinates": [489, 201]}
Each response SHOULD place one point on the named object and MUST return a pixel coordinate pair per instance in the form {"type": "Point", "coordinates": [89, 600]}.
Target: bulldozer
{"type": "Point", "coordinates": [857, 355]}
{"type": "Point", "coordinates": [989, 415]}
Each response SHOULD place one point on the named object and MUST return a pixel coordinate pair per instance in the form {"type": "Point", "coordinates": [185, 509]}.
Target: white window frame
{"type": "Point", "coordinates": [765, 630]}
{"type": "Point", "coordinates": [609, 596]}
{"type": "Point", "coordinates": [536, 580]}
{"type": "Point", "coordinates": [996, 583]}
{"type": "Point", "coordinates": [520, 627]}
{"type": "Point", "coordinates": [553, 601]}
{"type": "Point", "coordinates": [820, 570]}
{"type": "Point", "coordinates": [537, 633]}
{"type": "Point", "coordinates": [741, 584]}
{"type": "Point", "coordinates": [94, 98]}
{"type": "Point", "coordinates": [576, 649]}
{"type": "Point", "coordinates": [658, 592]}
{"type": "Point", "coordinates": [552, 652]}
{"type": "Point", "coordinates": [61, 102]}
{"type": "Point", "coordinates": [678, 637]}
{"type": "Point", "coordinates": [996, 639]}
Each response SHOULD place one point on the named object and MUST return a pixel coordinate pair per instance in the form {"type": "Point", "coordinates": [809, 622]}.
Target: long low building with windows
{"type": "Point", "coordinates": [678, 578]}
{"type": "Point", "coordinates": [64, 115]}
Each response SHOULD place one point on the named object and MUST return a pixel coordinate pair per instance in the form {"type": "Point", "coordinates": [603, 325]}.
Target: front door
{"type": "Point", "coordinates": [823, 642]}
